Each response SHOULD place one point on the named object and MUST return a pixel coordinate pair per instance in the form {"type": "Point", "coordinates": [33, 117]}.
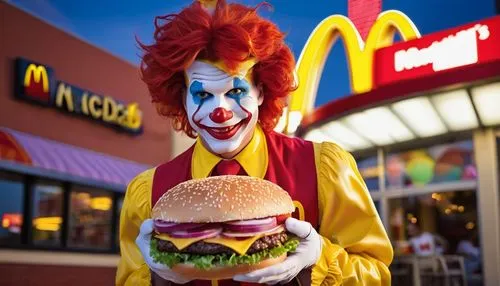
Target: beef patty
{"type": "Point", "coordinates": [201, 247]}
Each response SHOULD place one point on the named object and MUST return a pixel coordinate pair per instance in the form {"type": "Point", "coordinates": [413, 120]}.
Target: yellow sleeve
{"type": "Point", "coordinates": [132, 270]}
{"type": "Point", "coordinates": [356, 249]}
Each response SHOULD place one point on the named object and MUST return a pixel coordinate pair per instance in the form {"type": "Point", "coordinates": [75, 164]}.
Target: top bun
{"type": "Point", "coordinates": [221, 199]}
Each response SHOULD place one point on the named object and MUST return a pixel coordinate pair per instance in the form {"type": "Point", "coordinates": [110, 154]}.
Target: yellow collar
{"type": "Point", "coordinates": [253, 158]}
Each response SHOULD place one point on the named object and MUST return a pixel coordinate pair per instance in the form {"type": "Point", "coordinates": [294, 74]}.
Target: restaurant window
{"type": "Point", "coordinates": [435, 224]}
{"type": "Point", "coordinates": [437, 164]}
{"type": "Point", "coordinates": [90, 218]}
{"type": "Point", "coordinates": [11, 208]}
{"type": "Point", "coordinates": [369, 170]}
{"type": "Point", "coordinates": [47, 213]}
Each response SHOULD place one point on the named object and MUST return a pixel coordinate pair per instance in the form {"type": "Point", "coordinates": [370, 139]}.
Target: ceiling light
{"type": "Point", "coordinates": [389, 123]}
{"type": "Point", "coordinates": [343, 136]}
{"type": "Point", "coordinates": [316, 135]}
{"type": "Point", "coordinates": [487, 101]}
{"type": "Point", "coordinates": [419, 114]}
{"type": "Point", "coordinates": [363, 124]}
{"type": "Point", "coordinates": [455, 107]}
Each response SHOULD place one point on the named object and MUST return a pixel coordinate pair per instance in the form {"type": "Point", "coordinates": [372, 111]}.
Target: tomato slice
{"type": "Point", "coordinates": [282, 218]}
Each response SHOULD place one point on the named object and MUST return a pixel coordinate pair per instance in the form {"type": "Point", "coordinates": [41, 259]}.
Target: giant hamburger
{"type": "Point", "coordinates": [217, 227]}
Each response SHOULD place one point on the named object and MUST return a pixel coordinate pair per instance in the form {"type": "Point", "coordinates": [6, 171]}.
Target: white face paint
{"type": "Point", "coordinates": [223, 109]}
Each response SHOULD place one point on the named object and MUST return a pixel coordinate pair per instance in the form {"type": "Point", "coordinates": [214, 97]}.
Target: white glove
{"type": "Point", "coordinates": [306, 254]}
{"type": "Point", "coordinates": [143, 241]}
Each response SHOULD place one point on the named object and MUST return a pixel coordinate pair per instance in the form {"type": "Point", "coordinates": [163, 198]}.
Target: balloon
{"type": "Point", "coordinates": [420, 168]}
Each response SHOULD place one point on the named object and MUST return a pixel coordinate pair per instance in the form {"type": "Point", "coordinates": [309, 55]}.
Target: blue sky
{"type": "Point", "coordinates": [113, 24]}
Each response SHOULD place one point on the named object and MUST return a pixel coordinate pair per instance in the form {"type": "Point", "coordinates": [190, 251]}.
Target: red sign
{"type": "Point", "coordinates": [456, 48]}
{"type": "Point", "coordinates": [10, 220]}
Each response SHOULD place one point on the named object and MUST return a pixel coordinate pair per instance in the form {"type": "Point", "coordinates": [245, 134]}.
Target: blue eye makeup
{"type": "Point", "coordinates": [240, 88]}
{"type": "Point", "coordinates": [198, 92]}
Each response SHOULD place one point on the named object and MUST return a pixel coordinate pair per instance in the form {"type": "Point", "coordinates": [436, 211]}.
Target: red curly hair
{"type": "Point", "coordinates": [234, 33]}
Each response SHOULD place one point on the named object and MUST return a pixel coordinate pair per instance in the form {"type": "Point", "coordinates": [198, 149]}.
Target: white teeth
{"type": "Point", "coordinates": [223, 129]}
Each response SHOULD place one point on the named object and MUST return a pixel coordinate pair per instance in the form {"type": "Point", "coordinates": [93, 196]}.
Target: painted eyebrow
{"type": "Point", "coordinates": [195, 87]}
{"type": "Point", "coordinates": [211, 77]}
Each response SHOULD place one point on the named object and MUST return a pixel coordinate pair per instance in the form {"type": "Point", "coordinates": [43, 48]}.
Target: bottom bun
{"type": "Point", "coordinates": [228, 272]}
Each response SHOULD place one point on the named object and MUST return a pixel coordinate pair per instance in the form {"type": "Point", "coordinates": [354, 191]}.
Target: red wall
{"type": "Point", "coordinates": [30, 275]}
{"type": "Point", "coordinates": [81, 64]}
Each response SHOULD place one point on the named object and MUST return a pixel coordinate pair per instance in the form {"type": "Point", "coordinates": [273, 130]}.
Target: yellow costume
{"type": "Point", "coordinates": [356, 249]}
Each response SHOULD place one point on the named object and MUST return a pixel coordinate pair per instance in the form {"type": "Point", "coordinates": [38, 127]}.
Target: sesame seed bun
{"type": "Point", "coordinates": [221, 199]}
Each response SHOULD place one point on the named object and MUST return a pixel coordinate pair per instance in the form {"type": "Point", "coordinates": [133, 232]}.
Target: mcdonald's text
{"type": "Point", "coordinates": [37, 83]}
{"type": "Point", "coordinates": [455, 48]}
{"type": "Point", "coordinates": [444, 54]}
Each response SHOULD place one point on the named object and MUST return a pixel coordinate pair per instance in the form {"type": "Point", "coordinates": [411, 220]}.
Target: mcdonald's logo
{"type": "Point", "coordinates": [35, 81]}
{"type": "Point", "coordinates": [359, 57]}
{"type": "Point", "coordinates": [37, 75]}
{"type": "Point", "coordinates": [299, 208]}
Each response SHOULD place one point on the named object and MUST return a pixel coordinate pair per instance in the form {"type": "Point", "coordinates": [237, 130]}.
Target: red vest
{"type": "Point", "coordinates": [291, 166]}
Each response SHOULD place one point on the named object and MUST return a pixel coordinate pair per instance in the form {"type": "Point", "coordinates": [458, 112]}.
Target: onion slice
{"type": "Point", "coordinates": [277, 229]}
{"type": "Point", "coordinates": [254, 225]}
{"type": "Point", "coordinates": [201, 233]}
{"type": "Point", "coordinates": [166, 227]}
{"type": "Point", "coordinates": [250, 228]}
{"type": "Point", "coordinates": [261, 221]}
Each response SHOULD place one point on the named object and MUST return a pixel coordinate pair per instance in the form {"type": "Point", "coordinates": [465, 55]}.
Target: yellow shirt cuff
{"type": "Point", "coordinates": [327, 271]}
{"type": "Point", "coordinates": [140, 277]}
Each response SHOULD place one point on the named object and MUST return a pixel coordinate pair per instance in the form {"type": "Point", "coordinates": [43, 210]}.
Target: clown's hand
{"type": "Point", "coordinates": [143, 241]}
{"type": "Point", "coordinates": [306, 254]}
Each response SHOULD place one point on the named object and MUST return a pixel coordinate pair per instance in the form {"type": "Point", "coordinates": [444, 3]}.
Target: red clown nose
{"type": "Point", "coordinates": [220, 115]}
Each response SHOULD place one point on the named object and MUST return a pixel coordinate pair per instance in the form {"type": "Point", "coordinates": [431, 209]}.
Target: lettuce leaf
{"type": "Point", "coordinates": [207, 261]}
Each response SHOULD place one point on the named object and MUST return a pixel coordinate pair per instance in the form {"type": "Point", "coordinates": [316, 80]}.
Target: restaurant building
{"type": "Point", "coordinates": [422, 123]}
{"type": "Point", "coordinates": [76, 125]}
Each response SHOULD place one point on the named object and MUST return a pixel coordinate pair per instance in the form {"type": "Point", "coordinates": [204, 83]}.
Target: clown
{"type": "Point", "coordinates": [222, 74]}
{"type": "Point", "coordinates": [222, 108]}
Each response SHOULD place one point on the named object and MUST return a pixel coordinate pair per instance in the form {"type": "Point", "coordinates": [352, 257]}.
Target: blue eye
{"type": "Point", "coordinates": [236, 91]}
{"type": "Point", "coordinates": [203, 94]}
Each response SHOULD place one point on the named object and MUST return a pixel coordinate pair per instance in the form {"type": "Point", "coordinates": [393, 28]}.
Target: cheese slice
{"type": "Point", "coordinates": [180, 243]}
{"type": "Point", "coordinates": [240, 245]}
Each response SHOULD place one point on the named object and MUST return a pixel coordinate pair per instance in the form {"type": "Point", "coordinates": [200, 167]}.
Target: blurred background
{"type": "Point", "coordinates": [76, 125]}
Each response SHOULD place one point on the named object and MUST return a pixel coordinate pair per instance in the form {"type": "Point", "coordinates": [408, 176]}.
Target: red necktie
{"type": "Point", "coordinates": [228, 167]}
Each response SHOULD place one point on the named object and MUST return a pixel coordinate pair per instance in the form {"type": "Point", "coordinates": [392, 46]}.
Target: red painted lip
{"type": "Point", "coordinates": [224, 133]}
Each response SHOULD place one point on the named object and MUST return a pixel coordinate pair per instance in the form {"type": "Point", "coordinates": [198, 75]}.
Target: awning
{"type": "Point", "coordinates": [406, 117]}
{"type": "Point", "coordinates": [74, 163]}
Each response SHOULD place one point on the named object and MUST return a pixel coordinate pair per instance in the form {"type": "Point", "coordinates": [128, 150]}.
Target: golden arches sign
{"type": "Point", "coordinates": [359, 56]}
{"type": "Point", "coordinates": [39, 74]}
